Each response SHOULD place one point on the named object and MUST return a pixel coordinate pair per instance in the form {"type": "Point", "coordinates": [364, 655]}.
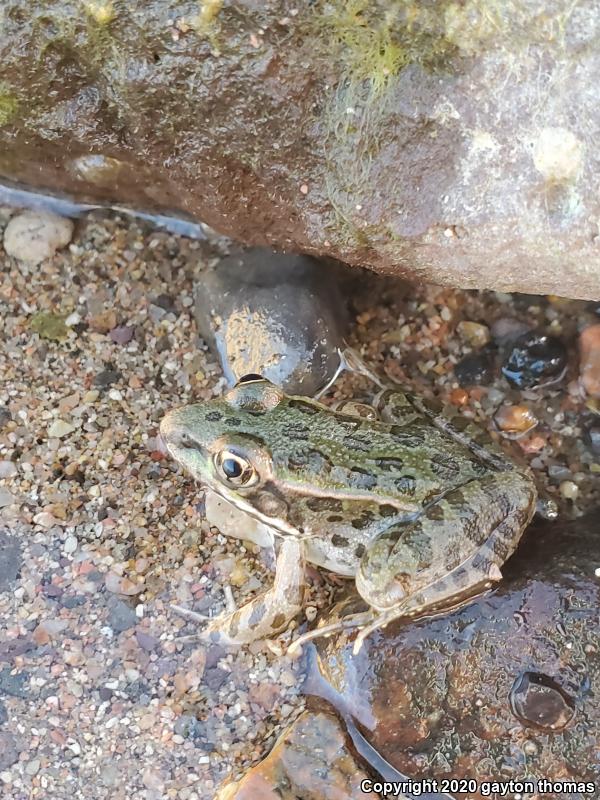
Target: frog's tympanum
{"type": "Point", "coordinates": [421, 509]}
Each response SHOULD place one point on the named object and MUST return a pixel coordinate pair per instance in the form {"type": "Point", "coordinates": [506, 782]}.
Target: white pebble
{"type": "Point", "coordinates": [70, 544]}
{"type": "Point", "coordinates": [34, 236]}
{"type": "Point", "coordinates": [60, 428]}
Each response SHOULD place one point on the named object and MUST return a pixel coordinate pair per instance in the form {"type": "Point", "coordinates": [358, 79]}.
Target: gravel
{"type": "Point", "coordinates": [95, 676]}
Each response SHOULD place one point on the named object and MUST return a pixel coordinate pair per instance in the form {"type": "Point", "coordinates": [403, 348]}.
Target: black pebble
{"type": "Point", "coordinates": [591, 436]}
{"type": "Point", "coordinates": [475, 369]}
{"type": "Point", "coordinates": [106, 378]}
{"type": "Point", "coordinates": [535, 360]}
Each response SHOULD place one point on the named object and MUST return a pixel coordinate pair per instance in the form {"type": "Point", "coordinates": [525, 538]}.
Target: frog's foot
{"type": "Point", "coordinates": [350, 361]}
{"type": "Point", "coordinates": [267, 614]}
{"type": "Point", "coordinates": [347, 623]}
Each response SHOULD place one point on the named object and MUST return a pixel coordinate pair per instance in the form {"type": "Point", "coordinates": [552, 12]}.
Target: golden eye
{"type": "Point", "coordinates": [235, 469]}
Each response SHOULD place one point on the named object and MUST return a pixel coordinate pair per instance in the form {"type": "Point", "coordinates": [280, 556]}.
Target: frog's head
{"type": "Point", "coordinates": [224, 443]}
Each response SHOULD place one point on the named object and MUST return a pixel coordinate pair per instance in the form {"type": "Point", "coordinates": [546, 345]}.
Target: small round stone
{"type": "Point", "coordinates": [515, 419]}
{"type": "Point", "coordinates": [34, 236]}
{"type": "Point", "coordinates": [591, 435]}
{"type": "Point", "coordinates": [569, 490]}
{"type": "Point", "coordinates": [475, 369]}
{"type": "Point", "coordinates": [474, 333]}
{"type": "Point", "coordinates": [536, 359]}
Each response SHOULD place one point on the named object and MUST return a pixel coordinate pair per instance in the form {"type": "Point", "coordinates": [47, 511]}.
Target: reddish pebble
{"type": "Point", "coordinates": [532, 444]}
{"type": "Point", "coordinates": [459, 397]}
{"type": "Point", "coordinates": [589, 353]}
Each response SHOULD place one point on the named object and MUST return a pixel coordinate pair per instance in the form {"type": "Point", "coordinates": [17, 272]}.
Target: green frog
{"type": "Point", "coordinates": [420, 508]}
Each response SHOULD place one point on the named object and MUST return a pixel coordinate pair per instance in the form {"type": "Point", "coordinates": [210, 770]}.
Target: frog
{"type": "Point", "coordinates": [420, 507]}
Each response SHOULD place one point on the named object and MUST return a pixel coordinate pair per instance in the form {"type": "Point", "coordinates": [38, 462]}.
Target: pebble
{"type": "Point", "coordinates": [6, 498]}
{"type": "Point", "coordinates": [591, 435]}
{"type": "Point", "coordinates": [569, 490]}
{"type": "Point", "coordinates": [9, 753]}
{"type": "Point", "coordinates": [281, 316]}
{"type": "Point", "coordinates": [515, 419]}
{"type": "Point", "coordinates": [475, 369]}
{"type": "Point", "coordinates": [119, 584]}
{"type": "Point", "coordinates": [8, 469]}
{"type": "Point", "coordinates": [11, 559]}
{"type": "Point", "coordinates": [60, 428]}
{"type": "Point", "coordinates": [70, 544]}
{"type": "Point", "coordinates": [474, 333]}
{"type": "Point", "coordinates": [506, 329]}
{"type": "Point", "coordinates": [589, 354]}
{"type": "Point", "coordinates": [34, 236]}
{"type": "Point", "coordinates": [122, 334]}
{"type": "Point", "coordinates": [121, 617]}
{"type": "Point", "coordinates": [535, 360]}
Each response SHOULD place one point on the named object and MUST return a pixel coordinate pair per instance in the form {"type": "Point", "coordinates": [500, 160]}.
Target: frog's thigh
{"type": "Point", "coordinates": [453, 550]}
{"type": "Point", "coordinates": [270, 612]}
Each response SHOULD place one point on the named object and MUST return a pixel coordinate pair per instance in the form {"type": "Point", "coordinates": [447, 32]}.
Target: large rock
{"type": "Point", "coordinates": [448, 141]}
{"type": "Point", "coordinates": [310, 761]}
{"type": "Point", "coordinates": [505, 688]}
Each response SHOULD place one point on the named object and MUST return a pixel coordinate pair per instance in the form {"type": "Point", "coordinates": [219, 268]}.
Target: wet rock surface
{"type": "Point", "coordinates": [504, 688]}
{"type": "Point", "coordinates": [311, 761]}
{"type": "Point", "coordinates": [281, 316]}
{"type": "Point", "coordinates": [392, 135]}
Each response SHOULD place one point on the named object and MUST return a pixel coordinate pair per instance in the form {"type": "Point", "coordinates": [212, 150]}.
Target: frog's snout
{"type": "Point", "coordinates": [174, 431]}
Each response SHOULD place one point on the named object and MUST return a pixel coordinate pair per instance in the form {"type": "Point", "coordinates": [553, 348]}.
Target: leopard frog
{"type": "Point", "coordinates": [421, 509]}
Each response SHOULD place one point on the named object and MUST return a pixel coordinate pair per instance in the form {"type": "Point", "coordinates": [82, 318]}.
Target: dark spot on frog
{"type": "Point", "coordinates": [303, 408]}
{"type": "Point", "coordinates": [335, 518]}
{"type": "Point", "coordinates": [232, 422]}
{"type": "Point", "coordinates": [296, 431]}
{"type": "Point", "coordinates": [298, 460]}
{"type": "Point", "coordinates": [278, 621]}
{"type": "Point", "coordinates": [319, 462]}
{"type": "Point", "coordinates": [214, 416]}
{"type": "Point", "coordinates": [359, 550]}
{"type": "Point", "coordinates": [363, 521]}
{"type": "Point", "coordinates": [456, 498]}
{"type": "Point", "coordinates": [390, 464]}
{"type": "Point", "coordinates": [444, 466]}
{"type": "Point", "coordinates": [324, 504]}
{"type": "Point", "coordinates": [361, 478]}
{"type": "Point", "coordinates": [387, 511]}
{"type": "Point", "coordinates": [406, 484]}
{"type": "Point", "coordinates": [339, 541]}
{"type": "Point", "coordinates": [405, 437]}
{"type": "Point", "coordinates": [538, 701]}
{"type": "Point", "coordinates": [435, 512]}
{"type": "Point", "coordinates": [349, 425]}
{"type": "Point", "coordinates": [356, 443]}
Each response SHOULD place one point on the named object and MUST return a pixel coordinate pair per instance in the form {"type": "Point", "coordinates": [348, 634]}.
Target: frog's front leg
{"type": "Point", "coordinates": [450, 554]}
{"type": "Point", "coordinates": [270, 612]}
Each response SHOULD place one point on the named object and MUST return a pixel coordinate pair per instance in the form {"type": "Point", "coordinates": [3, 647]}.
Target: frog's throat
{"type": "Point", "coordinates": [278, 526]}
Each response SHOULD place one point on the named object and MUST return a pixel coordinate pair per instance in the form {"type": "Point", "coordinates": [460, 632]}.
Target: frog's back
{"type": "Point", "coordinates": [344, 455]}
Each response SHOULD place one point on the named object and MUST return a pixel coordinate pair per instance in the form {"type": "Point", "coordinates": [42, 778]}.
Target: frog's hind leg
{"type": "Point", "coordinates": [452, 553]}
{"type": "Point", "coordinates": [270, 612]}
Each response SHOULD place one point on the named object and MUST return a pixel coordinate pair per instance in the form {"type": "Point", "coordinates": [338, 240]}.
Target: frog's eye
{"type": "Point", "coordinates": [235, 469]}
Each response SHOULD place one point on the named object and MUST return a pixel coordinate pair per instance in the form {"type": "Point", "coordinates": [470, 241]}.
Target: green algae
{"type": "Point", "coordinates": [49, 326]}
{"type": "Point", "coordinates": [9, 104]}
